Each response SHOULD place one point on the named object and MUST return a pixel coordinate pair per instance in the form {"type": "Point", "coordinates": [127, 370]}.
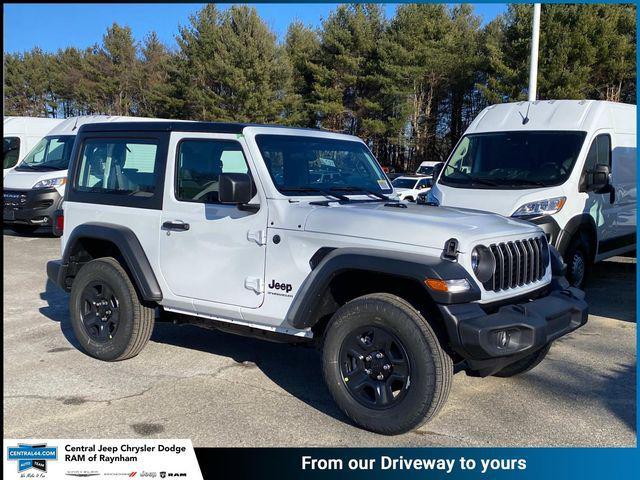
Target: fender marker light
{"type": "Point", "coordinates": [450, 286]}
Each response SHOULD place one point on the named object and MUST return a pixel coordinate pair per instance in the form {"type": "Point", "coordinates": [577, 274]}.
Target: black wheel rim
{"type": "Point", "coordinates": [100, 311]}
{"type": "Point", "coordinates": [375, 367]}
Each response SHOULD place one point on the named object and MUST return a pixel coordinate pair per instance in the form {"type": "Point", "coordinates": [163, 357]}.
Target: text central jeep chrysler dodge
{"type": "Point", "coordinates": [289, 234]}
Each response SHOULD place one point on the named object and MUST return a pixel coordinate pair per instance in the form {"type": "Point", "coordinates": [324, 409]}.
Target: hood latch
{"type": "Point", "coordinates": [451, 249]}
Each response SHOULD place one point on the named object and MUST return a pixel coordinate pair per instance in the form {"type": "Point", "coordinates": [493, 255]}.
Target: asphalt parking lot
{"type": "Point", "coordinates": [222, 390]}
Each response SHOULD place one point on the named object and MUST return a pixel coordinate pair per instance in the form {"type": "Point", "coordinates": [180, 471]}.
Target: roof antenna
{"type": "Point", "coordinates": [75, 125]}
{"type": "Point", "coordinates": [525, 118]}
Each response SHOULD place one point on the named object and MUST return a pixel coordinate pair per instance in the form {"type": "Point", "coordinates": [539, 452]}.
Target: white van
{"type": "Point", "coordinates": [21, 134]}
{"type": "Point", "coordinates": [567, 165]}
{"type": "Point", "coordinates": [34, 188]}
{"type": "Point", "coordinates": [426, 168]}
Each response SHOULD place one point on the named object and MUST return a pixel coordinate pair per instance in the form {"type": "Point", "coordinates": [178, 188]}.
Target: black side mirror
{"type": "Point", "coordinates": [234, 188]}
{"type": "Point", "coordinates": [437, 168]}
{"type": "Point", "coordinates": [600, 179]}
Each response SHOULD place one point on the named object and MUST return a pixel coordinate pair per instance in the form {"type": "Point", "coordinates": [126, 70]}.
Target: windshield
{"type": "Point", "coordinates": [424, 170]}
{"type": "Point", "coordinates": [404, 183]}
{"type": "Point", "coordinates": [10, 151]}
{"type": "Point", "coordinates": [513, 159]}
{"type": "Point", "coordinates": [309, 165]}
{"type": "Point", "coordinates": [51, 153]}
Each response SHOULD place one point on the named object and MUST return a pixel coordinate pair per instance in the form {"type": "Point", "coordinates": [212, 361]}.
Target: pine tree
{"type": "Point", "coordinates": [156, 94]}
{"type": "Point", "coordinates": [233, 69]}
{"type": "Point", "coordinates": [343, 68]}
{"type": "Point", "coordinates": [301, 47]}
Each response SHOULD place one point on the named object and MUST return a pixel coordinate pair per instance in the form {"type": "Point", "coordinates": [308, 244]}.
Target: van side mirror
{"type": "Point", "coordinates": [437, 168]}
{"type": "Point", "coordinates": [600, 179]}
{"type": "Point", "coordinates": [234, 188]}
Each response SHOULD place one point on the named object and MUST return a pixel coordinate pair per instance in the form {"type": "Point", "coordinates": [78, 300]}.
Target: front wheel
{"type": "Point", "coordinates": [108, 318]}
{"type": "Point", "coordinates": [384, 366]}
{"type": "Point", "coordinates": [577, 259]}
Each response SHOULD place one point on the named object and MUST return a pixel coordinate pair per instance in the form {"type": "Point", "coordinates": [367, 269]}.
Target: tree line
{"type": "Point", "coordinates": [409, 85]}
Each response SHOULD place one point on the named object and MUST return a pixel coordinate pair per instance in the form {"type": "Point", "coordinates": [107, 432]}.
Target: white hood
{"type": "Point", "coordinates": [25, 180]}
{"type": "Point", "coordinates": [502, 202]}
{"type": "Point", "coordinates": [420, 225]}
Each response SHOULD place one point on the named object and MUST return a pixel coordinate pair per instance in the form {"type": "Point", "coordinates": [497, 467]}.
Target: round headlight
{"type": "Point", "coordinates": [483, 263]}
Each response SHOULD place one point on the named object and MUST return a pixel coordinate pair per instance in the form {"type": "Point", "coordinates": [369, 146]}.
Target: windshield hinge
{"type": "Point", "coordinates": [259, 236]}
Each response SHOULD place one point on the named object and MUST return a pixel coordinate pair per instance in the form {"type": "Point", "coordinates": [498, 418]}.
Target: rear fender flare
{"type": "Point", "coordinates": [130, 248]}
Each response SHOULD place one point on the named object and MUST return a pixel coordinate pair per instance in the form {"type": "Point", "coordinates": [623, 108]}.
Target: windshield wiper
{"type": "Point", "coordinates": [48, 167]}
{"type": "Point", "coordinates": [471, 177]}
{"type": "Point", "coordinates": [24, 165]}
{"type": "Point", "coordinates": [316, 190]}
{"type": "Point", "coordinates": [522, 181]}
{"type": "Point", "coordinates": [381, 196]}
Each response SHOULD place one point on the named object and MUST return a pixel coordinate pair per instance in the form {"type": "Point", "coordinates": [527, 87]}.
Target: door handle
{"type": "Point", "coordinates": [176, 225]}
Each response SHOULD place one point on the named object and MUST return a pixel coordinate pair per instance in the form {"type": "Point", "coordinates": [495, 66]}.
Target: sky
{"type": "Point", "coordinates": [54, 26]}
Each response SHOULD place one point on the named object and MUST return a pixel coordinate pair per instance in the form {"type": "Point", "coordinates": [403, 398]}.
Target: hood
{"type": "Point", "coordinates": [25, 180]}
{"type": "Point", "coordinates": [502, 202]}
{"type": "Point", "coordinates": [420, 225]}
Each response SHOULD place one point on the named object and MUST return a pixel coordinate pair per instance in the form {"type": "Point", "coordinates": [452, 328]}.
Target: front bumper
{"type": "Point", "coordinates": [30, 207]}
{"type": "Point", "coordinates": [488, 340]}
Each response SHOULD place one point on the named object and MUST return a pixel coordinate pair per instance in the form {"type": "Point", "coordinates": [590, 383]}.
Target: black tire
{"type": "Point", "coordinates": [429, 374]}
{"type": "Point", "coordinates": [24, 229]}
{"type": "Point", "coordinates": [525, 364]}
{"type": "Point", "coordinates": [578, 260]}
{"type": "Point", "coordinates": [409, 199]}
{"type": "Point", "coordinates": [128, 328]}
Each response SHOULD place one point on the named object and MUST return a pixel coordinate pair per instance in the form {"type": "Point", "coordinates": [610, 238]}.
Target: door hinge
{"type": "Point", "coordinates": [255, 284]}
{"type": "Point", "coordinates": [259, 236]}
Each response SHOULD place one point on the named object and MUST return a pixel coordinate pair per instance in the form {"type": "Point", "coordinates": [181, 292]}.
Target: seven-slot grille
{"type": "Point", "coordinates": [518, 263]}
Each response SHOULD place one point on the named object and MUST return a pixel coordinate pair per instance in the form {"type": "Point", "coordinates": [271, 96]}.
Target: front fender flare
{"type": "Point", "coordinates": [412, 266]}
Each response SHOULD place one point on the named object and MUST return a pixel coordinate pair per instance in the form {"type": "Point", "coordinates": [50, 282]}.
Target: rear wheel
{"type": "Point", "coordinates": [384, 366]}
{"type": "Point", "coordinates": [107, 316]}
{"type": "Point", "coordinates": [525, 364]}
{"type": "Point", "coordinates": [24, 229]}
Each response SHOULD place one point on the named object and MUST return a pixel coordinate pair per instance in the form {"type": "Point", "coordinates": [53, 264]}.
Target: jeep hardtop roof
{"type": "Point", "coordinates": [183, 126]}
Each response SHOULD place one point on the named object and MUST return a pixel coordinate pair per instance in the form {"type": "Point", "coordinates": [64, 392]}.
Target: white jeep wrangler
{"type": "Point", "coordinates": [230, 226]}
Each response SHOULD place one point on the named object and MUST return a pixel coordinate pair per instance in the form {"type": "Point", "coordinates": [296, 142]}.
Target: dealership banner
{"type": "Point", "coordinates": [169, 459]}
{"type": "Point", "coordinates": [99, 459]}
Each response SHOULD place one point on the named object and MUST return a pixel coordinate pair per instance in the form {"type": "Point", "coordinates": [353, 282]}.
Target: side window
{"type": "Point", "coordinates": [599, 154]}
{"type": "Point", "coordinates": [200, 163]}
{"type": "Point", "coordinates": [461, 158]}
{"type": "Point", "coordinates": [122, 166]}
{"type": "Point", "coordinates": [11, 151]}
{"type": "Point", "coordinates": [424, 183]}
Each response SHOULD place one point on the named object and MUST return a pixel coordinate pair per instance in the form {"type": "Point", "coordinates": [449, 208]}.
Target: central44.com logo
{"type": "Point", "coordinates": [32, 456]}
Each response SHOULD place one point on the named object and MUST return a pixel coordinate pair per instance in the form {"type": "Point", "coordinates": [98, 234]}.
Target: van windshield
{"type": "Point", "coordinates": [513, 160]}
{"type": "Point", "coordinates": [51, 153]}
{"type": "Point", "coordinates": [425, 170]}
{"type": "Point", "coordinates": [305, 165]}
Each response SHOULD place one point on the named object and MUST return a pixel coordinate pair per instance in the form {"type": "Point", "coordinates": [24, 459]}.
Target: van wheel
{"type": "Point", "coordinates": [384, 366]}
{"type": "Point", "coordinates": [108, 319]}
{"type": "Point", "coordinates": [525, 364]}
{"type": "Point", "coordinates": [578, 261]}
